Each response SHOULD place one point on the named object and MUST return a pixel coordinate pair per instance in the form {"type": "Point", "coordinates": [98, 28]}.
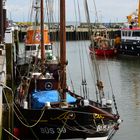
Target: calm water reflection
{"type": "Point", "coordinates": [125, 79]}
{"type": "Point", "coordinates": [129, 98]}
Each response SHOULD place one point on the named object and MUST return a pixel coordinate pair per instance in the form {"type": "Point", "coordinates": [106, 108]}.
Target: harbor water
{"type": "Point", "coordinates": [124, 78]}
{"type": "Point", "coordinates": [124, 75]}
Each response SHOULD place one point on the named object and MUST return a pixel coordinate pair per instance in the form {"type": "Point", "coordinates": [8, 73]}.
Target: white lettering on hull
{"type": "Point", "coordinates": [47, 130]}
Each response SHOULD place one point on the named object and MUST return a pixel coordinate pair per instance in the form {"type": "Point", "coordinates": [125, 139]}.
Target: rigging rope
{"type": "Point", "coordinates": [87, 12]}
{"type": "Point", "coordinates": [113, 96]}
{"type": "Point", "coordinates": [82, 61]}
{"type": "Point", "coordinates": [10, 134]}
{"type": "Point", "coordinates": [66, 115]}
{"type": "Point", "coordinates": [13, 108]}
{"type": "Point", "coordinates": [96, 14]}
{"type": "Point", "coordinates": [71, 81]}
{"type": "Point", "coordinates": [50, 9]}
{"type": "Point", "coordinates": [33, 125]}
{"type": "Point", "coordinates": [97, 71]}
{"type": "Point", "coordinates": [62, 128]}
{"type": "Point", "coordinates": [78, 38]}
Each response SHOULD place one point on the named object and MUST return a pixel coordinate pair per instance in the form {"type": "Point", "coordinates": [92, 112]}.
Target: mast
{"type": "Point", "coordinates": [4, 16]}
{"type": "Point", "coordinates": [36, 13]}
{"type": "Point", "coordinates": [139, 13]}
{"type": "Point", "coordinates": [62, 49]}
{"type": "Point", "coordinates": [42, 33]}
{"type": "Point", "coordinates": [1, 21]}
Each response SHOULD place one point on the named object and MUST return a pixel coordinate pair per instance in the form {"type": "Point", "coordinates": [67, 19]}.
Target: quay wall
{"type": "Point", "coordinates": [2, 81]}
{"type": "Point", "coordinates": [76, 34]}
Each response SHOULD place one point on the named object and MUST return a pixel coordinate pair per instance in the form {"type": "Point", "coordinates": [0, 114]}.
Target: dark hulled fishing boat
{"type": "Point", "coordinates": [52, 111]}
{"type": "Point", "coordinates": [130, 36]}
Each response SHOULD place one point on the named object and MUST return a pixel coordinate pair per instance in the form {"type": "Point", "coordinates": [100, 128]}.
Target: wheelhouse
{"type": "Point", "coordinates": [36, 47]}
{"type": "Point", "coordinates": [131, 34]}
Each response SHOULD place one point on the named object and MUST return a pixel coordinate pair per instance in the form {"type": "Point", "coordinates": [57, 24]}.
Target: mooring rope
{"type": "Point", "coordinates": [62, 128]}
{"type": "Point", "coordinates": [10, 134]}
{"type": "Point", "coordinates": [30, 126]}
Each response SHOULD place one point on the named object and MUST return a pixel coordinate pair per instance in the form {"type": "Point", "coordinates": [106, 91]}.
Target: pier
{"type": "Point", "coordinates": [72, 33]}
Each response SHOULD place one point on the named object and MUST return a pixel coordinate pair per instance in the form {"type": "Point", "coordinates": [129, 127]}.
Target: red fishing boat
{"type": "Point", "coordinates": [102, 46]}
{"type": "Point", "coordinates": [103, 52]}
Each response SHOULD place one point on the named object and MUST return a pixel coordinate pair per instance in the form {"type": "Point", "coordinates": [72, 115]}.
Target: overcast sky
{"type": "Point", "coordinates": [108, 10]}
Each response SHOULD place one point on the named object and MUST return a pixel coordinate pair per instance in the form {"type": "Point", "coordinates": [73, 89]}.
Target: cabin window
{"type": "Point", "coordinates": [48, 47]}
{"type": "Point", "coordinates": [136, 33]}
{"type": "Point", "coordinates": [124, 33]}
{"type": "Point", "coordinates": [30, 48]}
{"type": "Point", "coordinates": [129, 33]}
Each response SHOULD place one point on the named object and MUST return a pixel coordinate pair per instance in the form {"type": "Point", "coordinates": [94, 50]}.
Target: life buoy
{"type": "Point", "coordinates": [48, 85]}
{"type": "Point", "coordinates": [38, 37]}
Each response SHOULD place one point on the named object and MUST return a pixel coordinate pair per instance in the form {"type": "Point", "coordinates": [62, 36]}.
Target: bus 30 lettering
{"type": "Point", "coordinates": [46, 130]}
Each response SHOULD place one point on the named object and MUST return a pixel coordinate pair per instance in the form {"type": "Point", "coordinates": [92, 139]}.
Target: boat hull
{"type": "Point", "coordinates": [129, 47]}
{"type": "Point", "coordinates": [61, 123]}
{"type": "Point", "coordinates": [100, 138]}
{"type": "Point", "coordinates": [104, 52]}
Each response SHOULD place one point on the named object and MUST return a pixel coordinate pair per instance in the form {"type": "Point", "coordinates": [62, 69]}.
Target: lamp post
{"type": "Point", "coordinates": [4, 16]}
{"type": "Point", "coordinates": [1, 21]}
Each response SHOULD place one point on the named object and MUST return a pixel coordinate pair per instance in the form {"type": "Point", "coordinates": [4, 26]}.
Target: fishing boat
{"type": "Point", "coordinates": [32, 47]}
{"type": "Point", "coordinates": [101, 45]}
{"type": "Point", "coordinates": [33, 37]}
{"type": "Point", "coordinates": [130, 35]}
{"type": "Point", "coordinates": [31, 54]}
{"type": "Point", "coordinates": [52, 111]}
{"type": "Point", "coordinates": [32, 42]}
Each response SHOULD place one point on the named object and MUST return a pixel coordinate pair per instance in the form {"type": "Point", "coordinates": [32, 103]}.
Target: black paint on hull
{"type": "Point", "coordinates": [131, 48]}
{"type": "Point", "coordinates": [55, 123]}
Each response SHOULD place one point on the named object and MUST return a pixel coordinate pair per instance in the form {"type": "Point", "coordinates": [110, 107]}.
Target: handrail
{"type": "Point", "coordinates": [2, 80]}
{"type": "Point", "coordinates": [10, 111]}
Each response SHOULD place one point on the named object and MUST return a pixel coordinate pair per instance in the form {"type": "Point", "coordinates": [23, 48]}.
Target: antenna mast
{"type": "Point", "coordinates": [139, 13]}
{"type": "Point", "coordinates": [42, 33]}
{"type": "Point", "coordinates": [63, 49]}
